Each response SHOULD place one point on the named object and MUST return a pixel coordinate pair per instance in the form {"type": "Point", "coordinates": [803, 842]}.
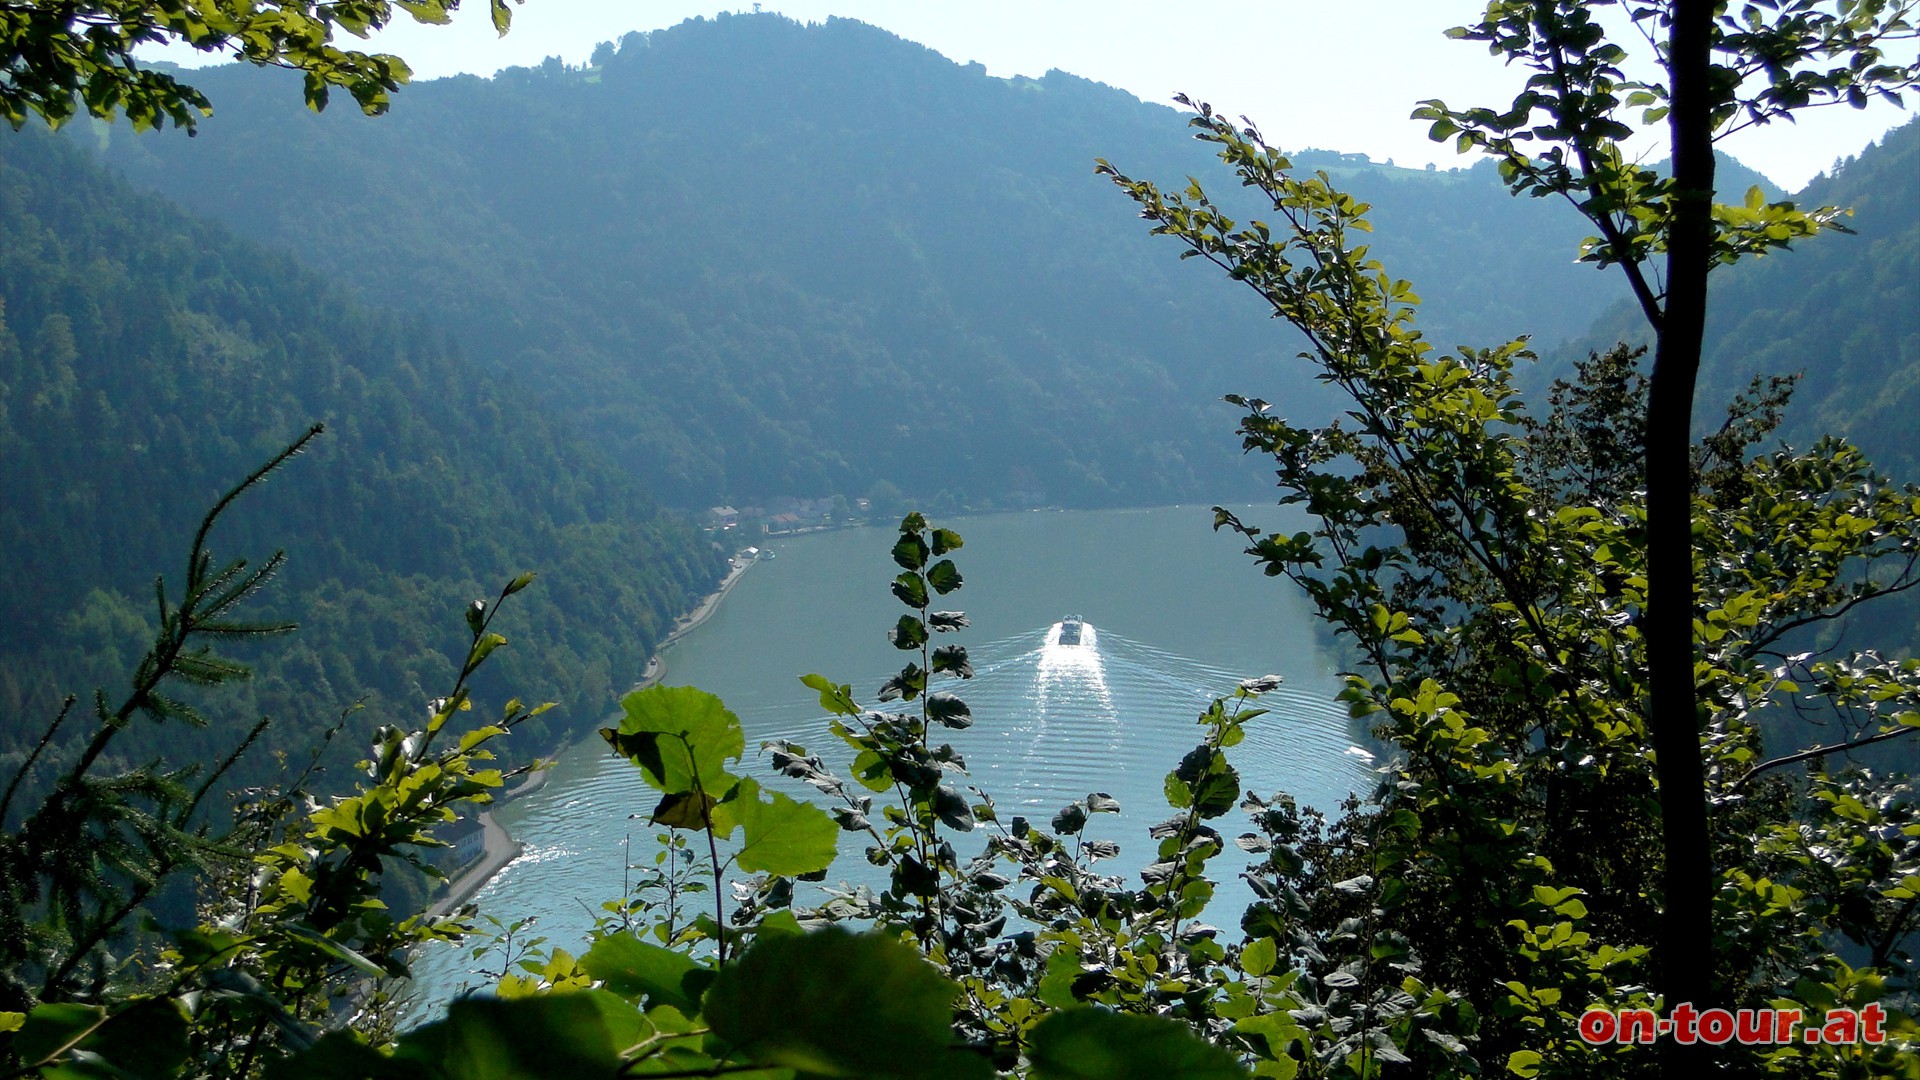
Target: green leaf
{"type": "Point", "coordinates": [484, 648]}
{"type": "Point", "coordinates": [944, 577]}
{"type": "Point", "coordinates": [953, 659]}
{"type": "Point", "coordinates": [641, 747]}
{"type": "Point", "coordinates": [1094, 1044]}
{"type": "Point", "coordinates": [148, 1039]}
{"type": "Point", "coordinates": [944, 708]}
{"type": "Point", "coordinates": [642, 971]}
{"type": "Point", "coordinates": [344, 1055]}
{"type": "Point", "coordinates": [712, 736]}
{"type": "Point", "coordinates": [1212, 785]}
{"type": "Point", "coordinates": [908, 633]}
{"type": "Point", "coordinates": [1524, 1063]}
{"type": "Point", "coordinates": [835, 699]}
{"type": "Point", "coordinates": [910, 552]}
{"type": "Point", "coordinates": [835, 1004]}
{"type": "Point", "coordinates": [951, 807]}
{"type": "Point", "coordinates": [51, 1030]}
{"type": "Point", "coordinates": [145, 1038]}
{"type": "Point", "coordinates": [945, 540]}
{"type": "Point", "coordinates": [781, 835]}
{"type": "Point", "coordinates": [870, 768]}
{"type": "Point", "coordinates": [1259, 956]}
{"type": "Point", "coordinates": [336, 949]}
{"type": "Point", "coordinates": [1070, 820]}
{"type": "Point", "coordinates": [544, 1037]}
{"type": "Point", "coordinates": [685, 810]}
{"type": "Point", "coordinates": [911, 590]}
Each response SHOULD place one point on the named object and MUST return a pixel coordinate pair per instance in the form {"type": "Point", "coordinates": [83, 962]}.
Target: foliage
{"type": "Point", "coordinates": [681, 738]}
{"type": "Point", "coordinates": [1490, 573]}
{"type": "Point", "coordinates": [147, 358]}
{"type": "Point", "coordinates": [290, 932]}
{"type": "Point", "coordinates": [82, 863]}
{"type": "Point", "coordinates": [60, 56]}
{"type": "Point", "coordinates": [1822, 312]}
{"type": "Point", "coordinates": [1716, 72]}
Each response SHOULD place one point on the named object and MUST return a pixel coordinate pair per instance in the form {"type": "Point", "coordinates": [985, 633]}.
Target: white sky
{"type": "Point", "coordinates": [1312, 73]}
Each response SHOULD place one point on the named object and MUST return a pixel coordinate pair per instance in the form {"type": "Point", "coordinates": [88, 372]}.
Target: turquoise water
{"type": "Point", "coordinates": [1177, 616]}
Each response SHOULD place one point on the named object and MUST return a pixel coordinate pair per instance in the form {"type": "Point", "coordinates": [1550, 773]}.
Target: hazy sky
{"type": "Point", "coordinates": [1335, 76]}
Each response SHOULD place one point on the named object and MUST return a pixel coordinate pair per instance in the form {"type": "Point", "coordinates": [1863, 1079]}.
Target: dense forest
{"type": "Point", "coordinates": [1842, 313]}
{"type": "Point", "coordinates": [149, 361]}
{"type": "Point", "coordinates": [547, 318]}
{"type": "Point", "coordinates": [756, 258]}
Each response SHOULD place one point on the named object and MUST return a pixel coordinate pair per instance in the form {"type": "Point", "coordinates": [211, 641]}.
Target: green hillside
{"type": "Point", "coordinates": [1841, 311]}
{"type": "Point", "coordinates": [148, 361]}
{"type": "Point", "coordinates": [756, 258]}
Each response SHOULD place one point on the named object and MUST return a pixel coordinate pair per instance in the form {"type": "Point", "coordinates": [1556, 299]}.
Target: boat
{"type": "Point", "coordinates": [1070, 628]}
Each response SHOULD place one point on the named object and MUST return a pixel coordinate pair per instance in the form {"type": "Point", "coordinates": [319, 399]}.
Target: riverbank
{"type": "Point", "coordinates": [498, 847]}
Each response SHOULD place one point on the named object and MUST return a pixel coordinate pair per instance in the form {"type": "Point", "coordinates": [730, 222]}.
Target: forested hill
{"type": "Point", "coordinates": [754, 258]}
{"type": "Point", "coordinates": [149, 360]}
{"type": "Point", "coordinates": [1842, 311]}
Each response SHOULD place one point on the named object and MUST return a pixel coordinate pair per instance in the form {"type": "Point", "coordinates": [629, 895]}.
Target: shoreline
{"type": "Point", "coordinates": [498, 847]}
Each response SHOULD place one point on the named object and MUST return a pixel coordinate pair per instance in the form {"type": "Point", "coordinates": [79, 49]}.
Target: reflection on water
{"type": "Point", "coordinates": [1053, 722]}
{"type": "Point", "coordinates": [1067, 678]}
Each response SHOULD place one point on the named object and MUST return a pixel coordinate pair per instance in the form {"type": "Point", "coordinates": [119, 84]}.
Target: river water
{"type": "Point", "coordinates": [1177, 616]}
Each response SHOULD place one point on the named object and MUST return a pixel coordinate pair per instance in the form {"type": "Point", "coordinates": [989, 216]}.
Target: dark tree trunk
{"type": "Point", "coordinates": [1686, 938]}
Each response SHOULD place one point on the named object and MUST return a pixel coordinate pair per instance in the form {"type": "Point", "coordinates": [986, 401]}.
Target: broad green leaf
{"type": "Point", "coordinates": [51, 1030]}
{"type": "Point", "coordinates": [641, 971]}
{"type": "Point", "coordinates": [945, 540]}
{"type": "Point", "coordinates": [870, 768]}
{"type": "Point", "coordinates": [544, 1037]}
{"type": "Point", "coordinates": [201, 945]}
{"type": "Point", "coordinates": [640, 747]}
{"type": "Point", "coordinates": [944, 708]}
{"type": "Point", "coordinates": [780, 835]}
{"type": "Point", "coordinates": [911, 590]}
{"type": "Point", "coordinates": [142, 1038]}
{"type": "Point", "coordinates": [911, 552]}
{"type": "Point", "coordinates": [1211, 785]}
{"type": "Point", "coordinates": [951, 807]}
{"type": "Point", "coordinates": [343, 1055]}
{"type": "Point", "coordinates": [1070, 820]}
{"type": "Point", "coordinates": [145, 1039]}
{"type": "Point", "coordinates": [944, 577]}
{"type": "Point", "coordinates": [685, 810]}
{"type": "Point", "coordinates": [1524, 1063]}
{"type": "Point", "coordinates": [695, 722]}
{"type": "Point", "coordinates": [1259, 956]}
{"type": "Point", "coordinates": [908, 633]}
{"type": "Point", "coordinates": [953, 660]}
{"type": "Point", "coordinates": [834, 1004]}
{"type": "Point", "coordinates": [1094, 1044]}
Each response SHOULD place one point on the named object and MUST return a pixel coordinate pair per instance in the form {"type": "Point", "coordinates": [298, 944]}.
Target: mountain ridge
{"type": "Point", "coordinates": [686, 246]}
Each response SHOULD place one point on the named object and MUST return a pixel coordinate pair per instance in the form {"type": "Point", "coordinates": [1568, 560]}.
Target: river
{"type": "Point", "coordinates": [1178, 615]}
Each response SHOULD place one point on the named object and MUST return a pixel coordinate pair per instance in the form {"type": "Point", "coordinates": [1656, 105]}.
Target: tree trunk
{"type": "Point", "coordinates": [1685, 967]}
